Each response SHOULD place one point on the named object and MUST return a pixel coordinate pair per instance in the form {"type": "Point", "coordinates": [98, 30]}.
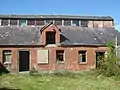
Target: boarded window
{"type": "Point", "coordinates": [82, 56]}
{"type": "Point", "coordinates": [13, 22]}
{"type": "Point", "coordinates": [39, 22]}
{"type": "Point", "coordinates": [7, 56]}
{"type": "Point", "coordinates": [58, 22]}
{"type": "Point", "coordinates": [4, 22]}
{"type": "Point", "coordinates": [75, 22]}
{"type": "Point", "coordinates": [60, 55]}
{"type": "Point", "coordinates": [22, 23]}
{"type": "Point", "coordinates": [50, 37]}
{"type": "Point", "coordinates": [67, 22]}
{"type": "Point", "coordinates": [84, 23]}
{"type": "Point", "coordinates": [42, 56]}
{"type": "Point", "coordinates": [31, 22]}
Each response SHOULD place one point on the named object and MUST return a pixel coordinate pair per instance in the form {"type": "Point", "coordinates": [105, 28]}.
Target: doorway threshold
{"type": "Point", "coordinates": [24, 72]}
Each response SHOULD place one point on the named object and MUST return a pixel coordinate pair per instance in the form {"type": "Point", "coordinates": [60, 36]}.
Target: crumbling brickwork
{"type": "Point", "coordinates": [70, 63]}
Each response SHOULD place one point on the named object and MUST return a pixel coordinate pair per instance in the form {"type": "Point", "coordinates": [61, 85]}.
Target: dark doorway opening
{"type": "Point", "coordinates": [24, 60]}
{"type": "Point", "coordinates": [99, 56]}
{"type": "Point", "coordinates": [50, 37]}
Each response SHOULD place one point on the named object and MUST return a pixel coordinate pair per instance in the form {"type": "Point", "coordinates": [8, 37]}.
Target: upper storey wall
{"type": "Point", "coordinates": [101, 24]}
{"type": "Point", "coordinates": [82, 21]}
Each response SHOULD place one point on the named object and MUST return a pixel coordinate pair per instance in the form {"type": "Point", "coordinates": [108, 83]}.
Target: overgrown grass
{"type": "Point", "coordinates": [80, 81]}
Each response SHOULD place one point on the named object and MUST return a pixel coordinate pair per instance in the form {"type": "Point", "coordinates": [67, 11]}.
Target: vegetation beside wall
{"type": "Point", "coordinates": [110, 64]}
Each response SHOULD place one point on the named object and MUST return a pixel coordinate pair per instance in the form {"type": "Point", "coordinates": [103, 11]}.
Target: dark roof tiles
{"type": "Point", "coordinates": [19, 36]}
{"type": "Point", "coordinates": [90, 36]}
{"type": "Point", "coordinates": [69, 35]}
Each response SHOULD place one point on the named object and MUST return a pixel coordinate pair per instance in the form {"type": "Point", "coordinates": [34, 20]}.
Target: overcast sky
{"type": "Point", "coordinates": [69, 7]}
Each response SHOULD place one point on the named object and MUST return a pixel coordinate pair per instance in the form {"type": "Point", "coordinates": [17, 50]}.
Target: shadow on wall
{"type": "Point", "coordinates": [3, 69]}
{"type": "Point", "coordinates": [8, 89]}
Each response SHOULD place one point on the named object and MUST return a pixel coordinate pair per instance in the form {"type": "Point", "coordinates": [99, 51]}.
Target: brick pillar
{"type": "Point", "coordinates": [33, 59]}
{"type": "Point", "coordinates": [91, 58]}
{"type": "Point", "coordinates": [52, 59]}
{"type": "Point", "coordinates": [15, 61]}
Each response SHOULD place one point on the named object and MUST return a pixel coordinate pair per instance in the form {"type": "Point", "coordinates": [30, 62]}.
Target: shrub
{"type": "Point", "coordinates": [109, 66]}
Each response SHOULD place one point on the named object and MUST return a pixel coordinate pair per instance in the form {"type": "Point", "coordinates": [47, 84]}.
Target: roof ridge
{"type": "Point", "coordinates": [55, 16]}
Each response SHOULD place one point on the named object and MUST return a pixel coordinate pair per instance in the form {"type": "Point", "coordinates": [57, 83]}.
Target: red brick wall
{"type": "Point", "coordinates": [52, 28]}
{"type": "Point", "coordinates": [71, 58]}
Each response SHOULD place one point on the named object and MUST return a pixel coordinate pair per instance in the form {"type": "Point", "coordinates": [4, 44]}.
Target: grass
{"type": "Point", "coordinates": [82, 81]}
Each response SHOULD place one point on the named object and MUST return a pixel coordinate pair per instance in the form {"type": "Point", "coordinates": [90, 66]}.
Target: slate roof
{"type": "Point", "coordinates": [12, 35]}
{"type": "Point", "coordinates": [57, 17]}
{"type": "Point", "coordinates": [89, 36]}
{"type": "Point", "coordinates": [19, 35]}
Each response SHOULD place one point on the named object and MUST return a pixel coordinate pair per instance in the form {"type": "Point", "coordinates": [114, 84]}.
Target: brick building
{"type": "Point", "coordinates": [54, 42]}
